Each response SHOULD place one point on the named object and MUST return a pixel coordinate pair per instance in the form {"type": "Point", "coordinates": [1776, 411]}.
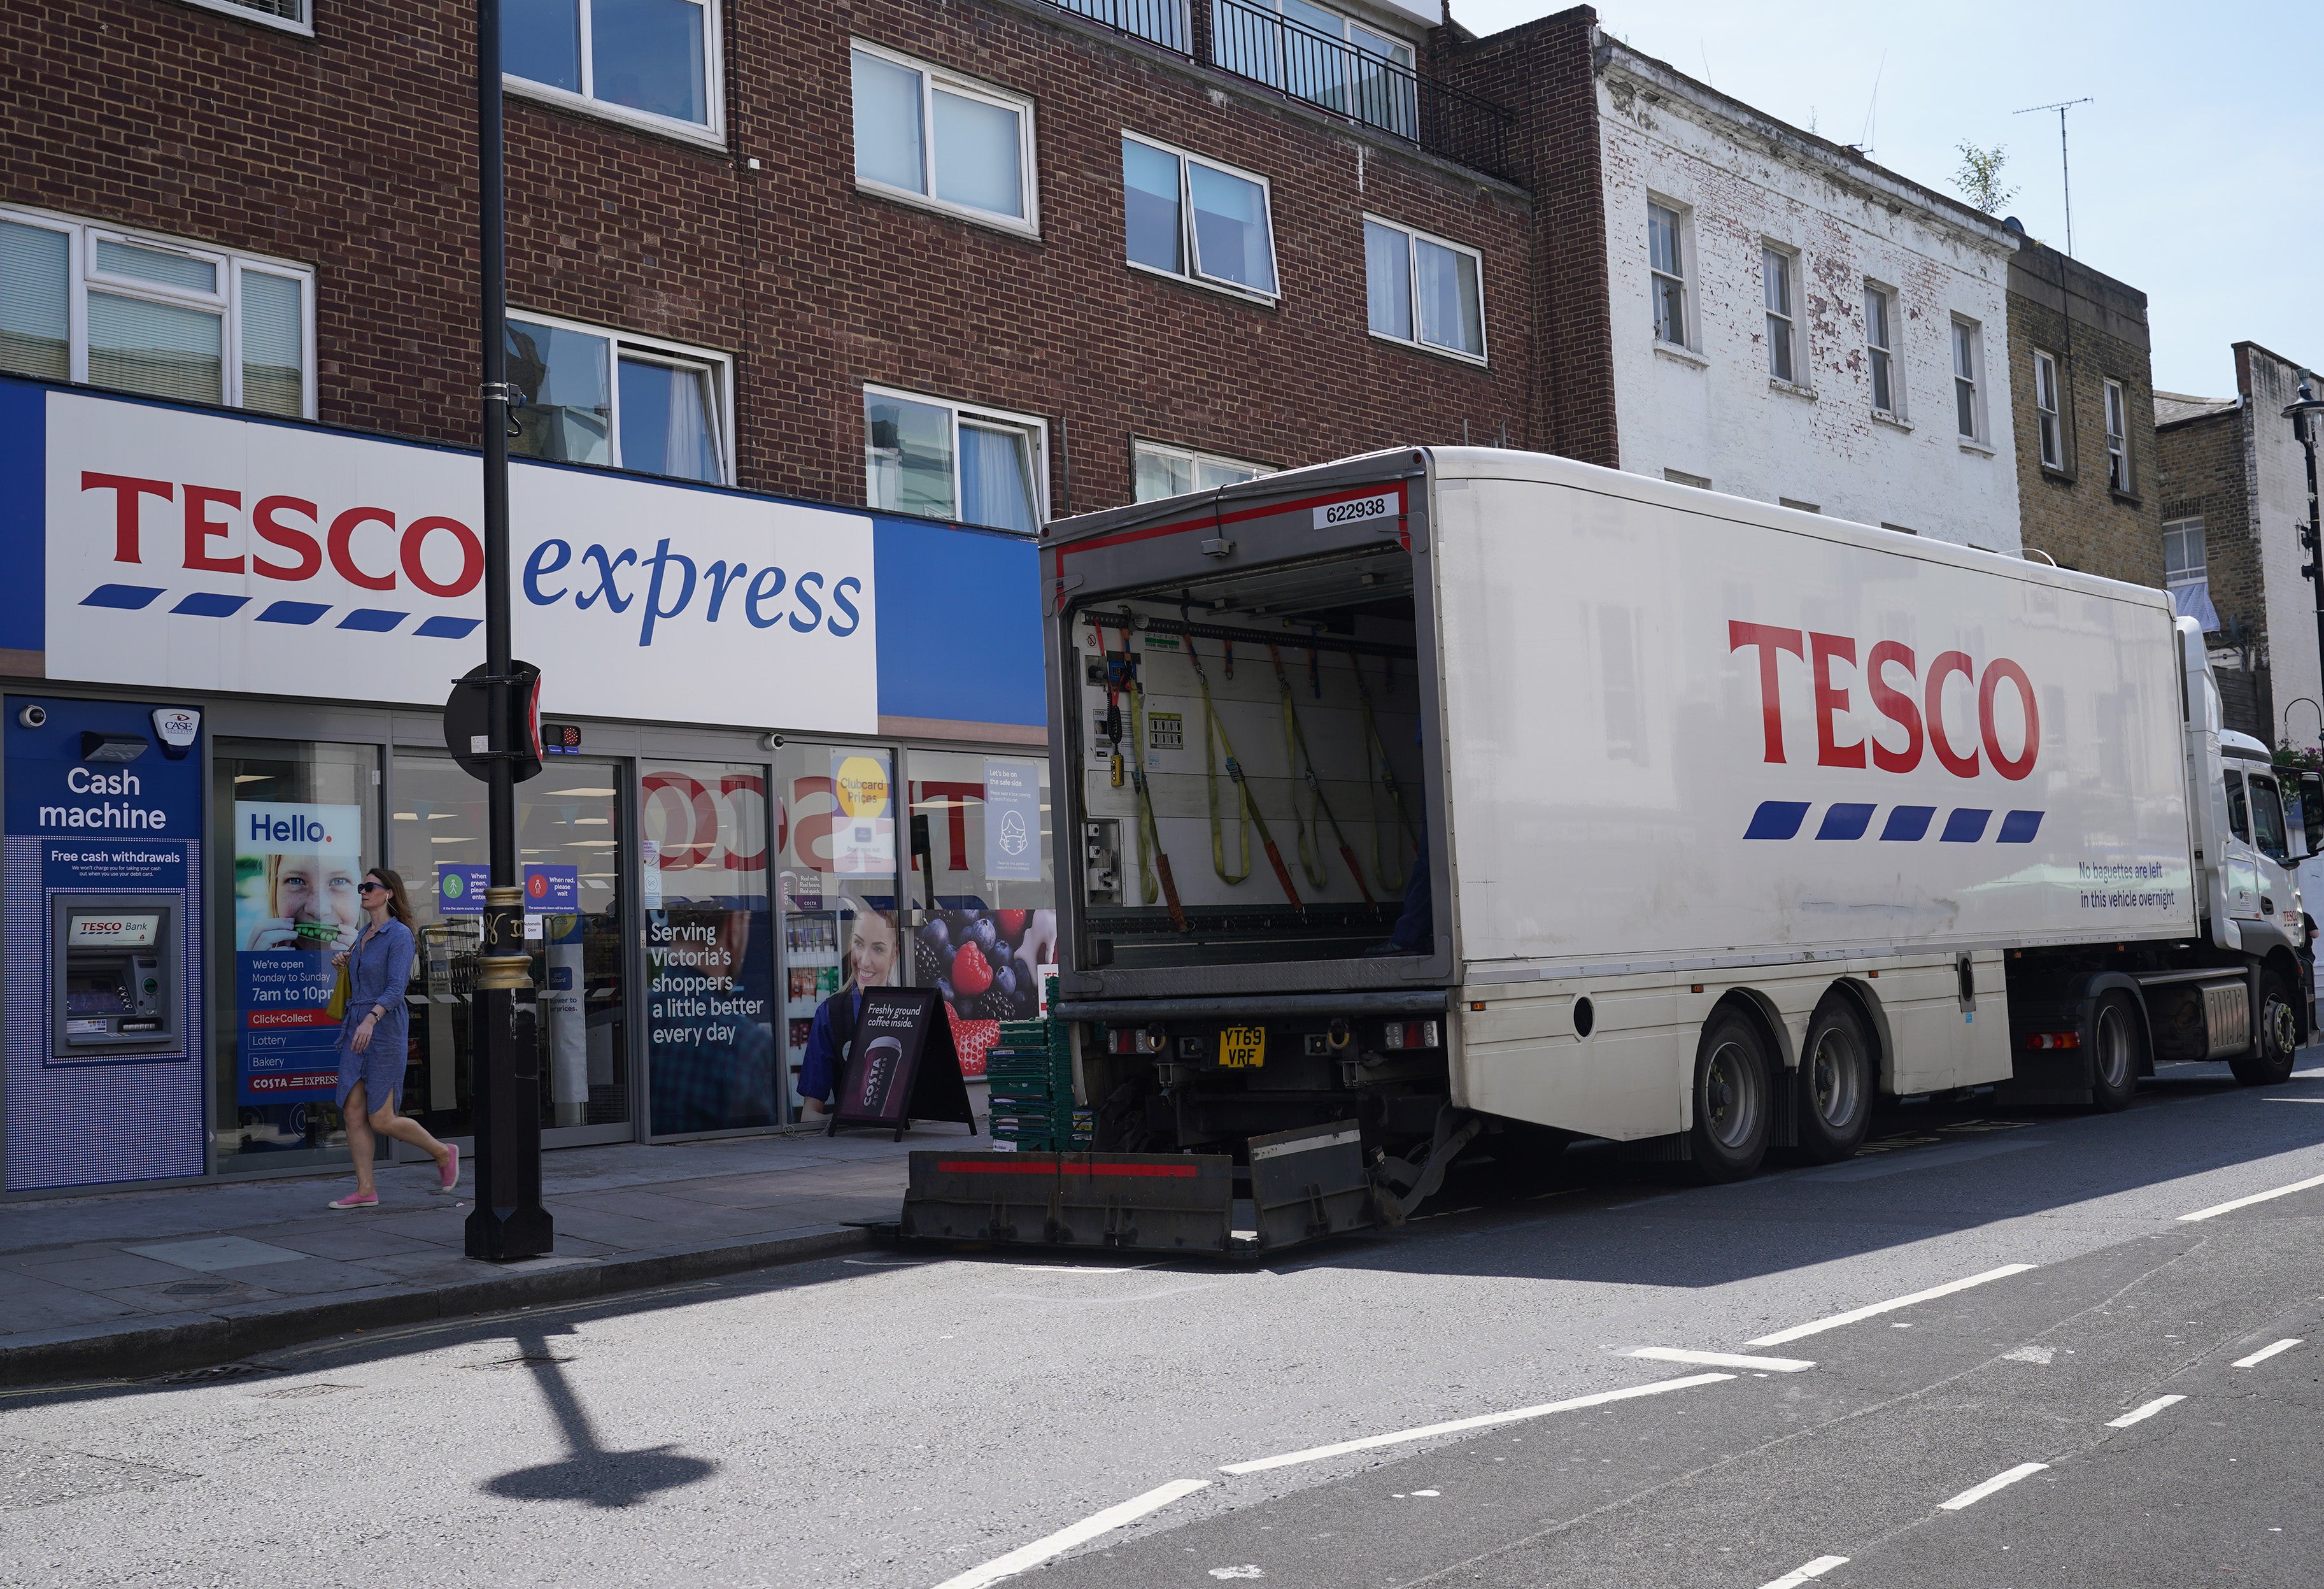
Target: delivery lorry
{"type": "Point", "coordinates": [1448, 793]}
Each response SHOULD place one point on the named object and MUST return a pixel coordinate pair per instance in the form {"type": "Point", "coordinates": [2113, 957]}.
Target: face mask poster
{"type": "Point", "coordinates": [296, 868]}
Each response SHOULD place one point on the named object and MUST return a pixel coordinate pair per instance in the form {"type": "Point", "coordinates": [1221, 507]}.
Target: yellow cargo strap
{"type": "Point", "coordinates": [1214, 739]}
{"type": "Point", "coordinates": [1376, 752]}
{"type": "Point", "coordinates": [1150, 854]}
{"type": "Point", "coordinates": [1302, 763]}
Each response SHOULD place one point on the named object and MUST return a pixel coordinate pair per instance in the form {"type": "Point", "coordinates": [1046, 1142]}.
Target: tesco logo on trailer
{"type": "Point", "coordinates": [210, 551]}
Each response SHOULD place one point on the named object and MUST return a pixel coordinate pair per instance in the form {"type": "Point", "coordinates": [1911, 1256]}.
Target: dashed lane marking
{"type": "Point", "coordinates": [1080, 1533]}
{"type": "Point", "coordinates": [2265, 1353]}
{"type": "Point", "coordinates": [1460, 1425]}
{"type": "Point", "coordinates": [2138, 1415]}
{"type": "Point", "coordinates": [2216, 1209]}
{"type": "Point", "coordinates": [1799, 1575]}
{"type": "Point", "coordinates": [1798, 1331]}
{"type": "Point", "coordinates": [1773, 1365]}
{"type": "Point", "coordinates": [1977, 1493]}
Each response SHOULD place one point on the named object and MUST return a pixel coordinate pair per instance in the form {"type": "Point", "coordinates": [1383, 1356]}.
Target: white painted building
{"type": "Point", "coordinates": [1794, 324]}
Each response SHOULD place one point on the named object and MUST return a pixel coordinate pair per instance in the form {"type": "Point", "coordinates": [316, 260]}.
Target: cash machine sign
{"type": "Point", "coordinates": [1243, 1047]}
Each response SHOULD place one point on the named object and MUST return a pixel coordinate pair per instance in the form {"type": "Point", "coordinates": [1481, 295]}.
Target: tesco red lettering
{"type": "Point", "coordinates": [343, 529]}
{"type": "Point", "coordinates": [1887, 675]}
{"type": "Point", "coordinates": [127, 489]}
{"type": "Point", "coordinates": [301, 544]}
{"type": "Point", "coordinates": [201, 529]}
{"type": "Point", "coordinates": [472, 556]}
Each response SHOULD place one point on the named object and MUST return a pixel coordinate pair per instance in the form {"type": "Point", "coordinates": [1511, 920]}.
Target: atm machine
{"type": "Point", "coordinates": [117, 968]}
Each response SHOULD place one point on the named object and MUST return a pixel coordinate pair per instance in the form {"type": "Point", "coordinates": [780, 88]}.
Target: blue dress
{"type": "Point", "coordinates": [378, 969]}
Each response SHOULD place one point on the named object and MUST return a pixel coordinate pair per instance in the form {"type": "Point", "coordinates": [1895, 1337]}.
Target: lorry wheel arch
{"type": "Point", "coordinates": [1867, 998]}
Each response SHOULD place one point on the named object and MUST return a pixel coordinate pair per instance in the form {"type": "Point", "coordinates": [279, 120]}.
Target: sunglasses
{"type": "Point", "coordinates": [368, 887]}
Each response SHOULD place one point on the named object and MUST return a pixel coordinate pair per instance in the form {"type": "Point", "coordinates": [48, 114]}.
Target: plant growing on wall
{"type": "Point", "coordinates": [1979, 177]}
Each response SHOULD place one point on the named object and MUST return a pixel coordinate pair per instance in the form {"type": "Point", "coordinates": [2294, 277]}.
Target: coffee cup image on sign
{"type": "Point", "coordinates": [295, 900]}
{"type": "Point", "coordinates": [882, 1057]}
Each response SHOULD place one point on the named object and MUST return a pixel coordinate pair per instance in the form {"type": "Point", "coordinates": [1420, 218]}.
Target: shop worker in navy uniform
{"type": "Point", "coordinates": [871, 963]}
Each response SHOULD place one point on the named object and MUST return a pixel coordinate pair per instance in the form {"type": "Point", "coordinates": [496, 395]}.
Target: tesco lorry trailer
{"type": "Point", "coordinates": [1449, 792]}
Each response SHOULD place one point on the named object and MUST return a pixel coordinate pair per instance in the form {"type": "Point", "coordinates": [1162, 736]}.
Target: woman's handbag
{"type": "Point", "coordinates": [340, 991]}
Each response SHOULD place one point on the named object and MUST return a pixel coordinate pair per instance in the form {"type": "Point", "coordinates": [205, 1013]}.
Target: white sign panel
{"type": "Point", "coordinates": [199, 551]}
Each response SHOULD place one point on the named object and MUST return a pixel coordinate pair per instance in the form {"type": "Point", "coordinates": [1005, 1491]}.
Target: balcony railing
{"type": "Point", "coordinates": [1255, 41]}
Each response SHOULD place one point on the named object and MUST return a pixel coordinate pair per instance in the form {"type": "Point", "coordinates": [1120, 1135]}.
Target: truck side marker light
{"type": "Point", "coordinates": [1458, 1425]}
{"type": "Point", "coordinates": [2053, 1040]}
{"type": "Point", "coordinates": [1480, 1004]}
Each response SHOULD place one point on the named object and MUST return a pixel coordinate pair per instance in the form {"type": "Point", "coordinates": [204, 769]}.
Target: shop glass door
{"type": "Point", "coordinates": [294, 826]}
{"type": "Point", "coordinates": [569, 831]}
{"type": "Point", "coordinates": [835, 895]}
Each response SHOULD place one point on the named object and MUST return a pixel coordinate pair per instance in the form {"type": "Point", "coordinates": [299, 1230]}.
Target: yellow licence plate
{"type": "Point", "coordinates": [1243, 1047]}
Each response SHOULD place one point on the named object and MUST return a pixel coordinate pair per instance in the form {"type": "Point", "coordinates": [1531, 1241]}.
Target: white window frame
{"type": "Point", "coordinates": [304, 26]}
{"type": "Point", "coordinates": [2201, 571]}
{"type": "Point", "coordinates": [933, 76]}
{"type": "Point", "coordinates": [1893, 353]}
{"type": "Point", "coordinates": [1186, 244]}
{"type": "Point", "coordinates": [1974, 378]}
{"type": "Point", "coordinates": [2118, 438]}
{"type": "Point", "coordinates": [80, 254]}
{"type": "Point", "coordinates": [1412, 271]}
{"type": "Point", "coordinates": [2049, 422]}
{"type": "Point", "coordinates": [1682, 244]}
{"type": "Point", "coordinates": [710, 134]}
{"type": "Point", "coordinates": [655, 350]}
{"type": "Point", "coordinates": [1034, 425]}
{"type": "Point", "coordinates": [1140, 446]}
{"type": "Point", "coordinates": [1793, 340]}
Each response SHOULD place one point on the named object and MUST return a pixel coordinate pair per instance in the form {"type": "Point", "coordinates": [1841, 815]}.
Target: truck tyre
{"type": "Point", "coordinates": [1836, 1085]}
{"type": "Point", "coordinates": [2117, 1052]}
{"type": "Point", "coordinates": [1733, 1099]}
{"type": "Point", "coordinates": [2277, 1041]}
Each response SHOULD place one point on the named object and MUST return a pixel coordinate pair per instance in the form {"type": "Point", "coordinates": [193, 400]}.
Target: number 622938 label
{"type": "Point", "coordinates": [1362, 510]}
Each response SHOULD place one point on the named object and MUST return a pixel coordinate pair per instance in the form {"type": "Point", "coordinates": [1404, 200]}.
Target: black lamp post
{"type": "Point", "coordinates": [508, 1220]}
{"type": "Point", "coordinates": [2302, 415]}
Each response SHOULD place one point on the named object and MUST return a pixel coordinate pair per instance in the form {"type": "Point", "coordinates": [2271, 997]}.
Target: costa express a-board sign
{"type": "Point", "coordinates": [902, 1065]}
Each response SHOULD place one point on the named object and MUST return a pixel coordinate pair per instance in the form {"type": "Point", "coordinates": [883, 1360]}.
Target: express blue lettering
{"type": "Point", "coordinates": [615, 600]}
{"type": "Point", "coordinates": [839, 599]}
{"type": "Point", "coordinates": [660, 562]}
{"type": "Point", "coordinates": [752, 599]}
{"type": "Point", "coordinates": [720, 576]}
{"type": "Point", "coordinates": [538, 564]}
{"type": "Point", "coordinates": [807, 599]}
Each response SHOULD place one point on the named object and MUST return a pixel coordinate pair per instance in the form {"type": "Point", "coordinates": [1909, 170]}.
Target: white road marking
{"type": "Point", "coordinates": [1080, 1533]}
{"type": "Point", "coordinates": [1483, 1421]}
{"type": "Point", "coordinates": [2141, 1414]}
{"type": "Point", "coordinates": [2292, 1100]}
{"type": "Point", "coordinates": [1853, 1315]}
{"type": "Point", "coordinates": [1773, 1365]}
{"type": "Point", "coordinates": [2217, 1209]}
{"type": "Point", "coordinates": [1799, 1575]}
{"type": "Point", "coordinates": [1977, 1493]}
{"type": "Point", "coordinates": [2265, 1353]}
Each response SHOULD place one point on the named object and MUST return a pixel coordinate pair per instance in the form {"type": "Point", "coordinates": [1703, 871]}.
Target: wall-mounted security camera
{"type": "Point", "coordinates": [34, 716]}
{"type": "Point", "coordinates": [773, 742]}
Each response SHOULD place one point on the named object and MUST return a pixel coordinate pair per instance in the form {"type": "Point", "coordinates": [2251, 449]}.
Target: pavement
{"type": "Point", "coordinates": [177, 1278]}
{"type": "Point", "coordinates": [1459, 1402]}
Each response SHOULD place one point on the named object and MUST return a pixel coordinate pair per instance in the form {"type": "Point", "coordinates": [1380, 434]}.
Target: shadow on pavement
{"type": "Point", "coordinates": [589, 1473]}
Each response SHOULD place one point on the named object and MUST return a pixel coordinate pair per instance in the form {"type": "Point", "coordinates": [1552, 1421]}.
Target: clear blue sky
{"type": "Point", "coordinates": [2199, 172]}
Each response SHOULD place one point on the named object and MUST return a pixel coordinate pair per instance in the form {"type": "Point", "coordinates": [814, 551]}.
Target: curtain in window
{"type": "Point", "coordinates": [273, 345]}
{"type": "Point", "coordinates": [995, 481]}
{"type": "Point", "coordinates": [1230, 240]}
{"type": "Point", "coordinates": [887, 141]}
{"type": "Point", "coordinates": [978, 163]}
{"type": "Point", "coordinates": [648, 54]}
{"type": "Point", "coordinates": [667, 427]}
{"type": "Point", "coordinates": [1388, 280]}
{"type": "Point", "coordinates": [156, 265]}
{"type": "Point", "coordinates": [908, 455]}
{"type": "Point", "coordinates": [2193, 600]}
{"type": "Point", "coordinates": [160, 349]}
{"type": "Point", "coordinates": [1160, 475]}
{"type": "Point", "coordinates": [35, 301]}
{"type": "Point", "coordinates": [1150, 185]}
{"type": "Point", "coordinates": [567, 382]}
{"type": "Point", "coordinates": [1451, 313]}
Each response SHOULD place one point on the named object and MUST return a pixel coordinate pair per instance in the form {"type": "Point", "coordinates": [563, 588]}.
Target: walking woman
{"type": "Point", "coordinates": [375, 1038]}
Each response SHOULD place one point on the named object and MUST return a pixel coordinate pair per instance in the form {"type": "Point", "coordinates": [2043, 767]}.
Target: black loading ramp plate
{"type": "Point", "coordinates": [1125, 1202]}
{"type": "Point", "coordinates": [1308, 1183]}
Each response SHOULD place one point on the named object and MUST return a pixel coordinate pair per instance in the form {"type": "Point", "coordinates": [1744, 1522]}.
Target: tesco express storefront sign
{"type": "Point", "coordinates": [201, 551]}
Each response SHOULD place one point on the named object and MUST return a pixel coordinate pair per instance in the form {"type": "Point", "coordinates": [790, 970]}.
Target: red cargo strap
{"type": "Point", "coordinates": [981, 1167]}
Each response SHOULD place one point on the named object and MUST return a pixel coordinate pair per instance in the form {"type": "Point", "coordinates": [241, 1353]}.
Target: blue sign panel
{"type": "Point", "coordinates": [460, 888]}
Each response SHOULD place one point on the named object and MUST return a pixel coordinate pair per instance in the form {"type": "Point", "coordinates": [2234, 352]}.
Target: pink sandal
{"type": "Point", "coordinates": [358, 1200]}
{"type": "Point", "coordinates": [450, 1172]}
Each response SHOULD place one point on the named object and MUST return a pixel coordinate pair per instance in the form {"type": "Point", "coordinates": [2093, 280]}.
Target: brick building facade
{"type": "Point", "coordinates": [2081, 360]}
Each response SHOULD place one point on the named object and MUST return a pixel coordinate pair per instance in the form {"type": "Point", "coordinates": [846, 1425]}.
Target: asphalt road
{"type": "Point", "coordinates": [911, 1420]}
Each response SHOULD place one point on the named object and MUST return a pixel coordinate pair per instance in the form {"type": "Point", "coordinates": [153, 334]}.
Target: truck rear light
{"type": "Point", "coordinates": [1411, 1034]}
{"type": "Point", "coordinates": [2053, 1040]}
{"type": "Point", "coordinates": [1124, 1040]}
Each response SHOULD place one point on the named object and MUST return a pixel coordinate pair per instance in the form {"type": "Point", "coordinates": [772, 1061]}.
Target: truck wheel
{"type": "Point", "coordinates": [2117, 1044]}
{"type": "Point", "coordinates": [1836, 1085]}
{"type": "Point", "coordinates": [2276, 1042]}
{"type": "Point", "coordinates": [1732, 1100]}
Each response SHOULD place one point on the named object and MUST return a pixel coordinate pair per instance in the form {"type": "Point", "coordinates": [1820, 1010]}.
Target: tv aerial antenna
{"type": "Point", "coordinates": [2065, 168]}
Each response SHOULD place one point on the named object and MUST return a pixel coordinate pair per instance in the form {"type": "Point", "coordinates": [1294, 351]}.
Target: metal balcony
{"type": "Point", "coordinates": [1364, 84]}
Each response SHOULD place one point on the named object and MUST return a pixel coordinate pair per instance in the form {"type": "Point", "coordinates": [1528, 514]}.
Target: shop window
{"type": "Point", "coordinates": [946, 460]}
{"type": "Point", "coordinates": [1423, 290]}
{"type": "Point", "coordinates": [569, 829]}
{"type": "Point", "coordinates": [1186, 215]}
{"type": "Point", "coordinates": [931, 136]}
{"type": "Point", "coordinates": [650, 61]}
{"type": "Point", "coordinates": [294, 826]}
{"type": "Point", "coordinates": [836, 901]}
{"type": "Point", "coordinates": [1173, 471]}
{"type": "Point", "coordinates": [711, 1016]}
{"type": "Point", "coordinates": [136, 313]}
{"type": "Point", "coordinates": [599, 397]}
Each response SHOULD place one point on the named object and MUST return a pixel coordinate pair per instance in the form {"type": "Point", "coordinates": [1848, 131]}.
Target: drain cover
{"type": "Point", "coordinates": [222, 1370]}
